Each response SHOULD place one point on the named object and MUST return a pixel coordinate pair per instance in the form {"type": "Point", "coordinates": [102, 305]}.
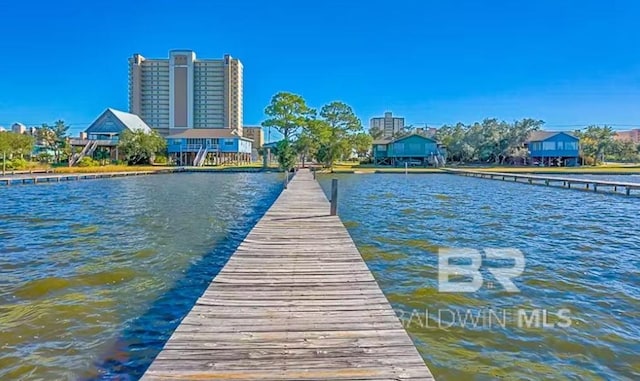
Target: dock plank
{"type": "Point", "coordinates": [295, 302]}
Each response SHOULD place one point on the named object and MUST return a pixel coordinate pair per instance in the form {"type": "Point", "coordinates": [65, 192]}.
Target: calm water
{"type": "Point", "coordinates": [582, 253]}
{"type": "Point", "coordinates": [95, 275]}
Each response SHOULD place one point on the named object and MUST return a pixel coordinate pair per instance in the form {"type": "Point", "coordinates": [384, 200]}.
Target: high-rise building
{"type": "Point", "coordinates": [185, 92]}
{"type": "Point", "coordinates": [388, 124]}
{"type": "Point", "coordinates": [19, 128]}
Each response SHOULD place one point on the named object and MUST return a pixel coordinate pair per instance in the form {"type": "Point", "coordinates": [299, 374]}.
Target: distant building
{"type": "Point", "coordinates": [104, 133]}
{"type": "Point", "coordinates": [389, 124]}
{"type": "Point", "coordinates": [629, 136]}
{"type": "Point", "coordinates": [552, 148]}
{"type": "Point", "coordinates": [19, 128]}
{"type": "Point", "coordinates": [256, 134]}
{"type": "Point", "coordinates": [412, 149]}
{"type": "Point", "coordinates": [426, 131]}
{"type": "Point", "coordinates": [213, 146]}
{"type": "Point", "coordinates": [185, 92]}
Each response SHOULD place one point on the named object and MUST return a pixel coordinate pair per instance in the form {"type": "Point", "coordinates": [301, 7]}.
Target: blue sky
{"type": "Point", "coordinates": [569, 63]}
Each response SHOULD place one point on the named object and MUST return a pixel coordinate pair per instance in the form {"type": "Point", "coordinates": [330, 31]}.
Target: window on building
{"type": "Point", "coordinates": [548, 146]}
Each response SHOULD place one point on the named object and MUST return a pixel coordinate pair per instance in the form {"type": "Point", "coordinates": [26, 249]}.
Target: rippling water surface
{"type": "Point", "coordinates": [582, 253]}
{"type": "Point", "coordinates": [95, 275]}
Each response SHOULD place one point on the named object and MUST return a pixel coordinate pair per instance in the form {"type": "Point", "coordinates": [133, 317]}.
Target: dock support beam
{"type": "Point", "coordinates": [334, 197]}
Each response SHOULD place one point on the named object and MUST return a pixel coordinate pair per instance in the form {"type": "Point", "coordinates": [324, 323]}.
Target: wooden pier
{"type": "Point", "coordinates": [615, 187]}
{"type": "Point", "coordinates": [295, 302]}
{"type": "Point", "coordinates": [34, 178]}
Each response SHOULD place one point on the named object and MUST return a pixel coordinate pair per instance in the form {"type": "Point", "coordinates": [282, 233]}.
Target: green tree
{"type": "Point", "coordinates": [376, 133]}
{"type": "Point", "coordinates": [54, 138]}
{"type": "Point", "coordinates": [60, 131]}
{"type": "Point", "coordinates": [6, 147]}
{"type": "Point", "coordinates": [595, 141]}
{"type": "Point", "coordinates": [455, 141]}
{"type": "Point", "coordinates": [623, 150]}
{"type": "Point", "coordinates": [14, 144]}
{"type": "Point", "coordinates": [288, 113]}
{"type": "Point", "coordinates": [362, 143]}
{"type": "Point", "coordinates": [286, 155]}
{"type": "Point", "coordinates": [47, 137]}
{"type": "Point", "coordinates": [340, 125]}
{"type": "Point", "coordinates": [140, 147]}
{"type": "Point", "coordinates": [491, 140]}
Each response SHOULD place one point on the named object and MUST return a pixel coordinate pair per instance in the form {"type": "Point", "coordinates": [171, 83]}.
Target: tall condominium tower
{"type": "Point", "coordinates": [185, 92]}
{"type": "Point", "coordinates": [389, 124]}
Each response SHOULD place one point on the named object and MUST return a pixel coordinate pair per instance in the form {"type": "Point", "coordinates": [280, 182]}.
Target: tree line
{"type": "Point", "coordinates": [328, 135]}
{"type": "Point", "coordinates": [598, 144]}
{"type": "Point", "coordinates": [499, 142]}
{"type": "Point", "coordinates": [489, 141]}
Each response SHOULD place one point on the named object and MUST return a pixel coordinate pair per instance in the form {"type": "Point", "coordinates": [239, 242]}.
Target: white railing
{"type": "Point", "coordinates": [76, 158]}
{"type": "Point", "coordinates": [197, 147]}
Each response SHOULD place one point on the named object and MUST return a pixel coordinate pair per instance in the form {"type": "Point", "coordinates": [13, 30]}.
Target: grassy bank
{"type": "Point", "coordinates": [109, 168]}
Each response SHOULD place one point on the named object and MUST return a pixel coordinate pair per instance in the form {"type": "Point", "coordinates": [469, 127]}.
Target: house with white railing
{"type": "Point", "coordinates": [103, 135]}
{"type": "Point", "coordinates": [210, 146]}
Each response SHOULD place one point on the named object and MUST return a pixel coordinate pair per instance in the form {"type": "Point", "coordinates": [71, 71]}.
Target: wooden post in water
{"type": "Point", "coordinates": [334, 197]}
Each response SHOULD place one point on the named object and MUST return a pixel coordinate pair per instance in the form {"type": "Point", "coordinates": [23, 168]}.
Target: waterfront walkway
{"type": "Point", "coordinates": [295, 302]}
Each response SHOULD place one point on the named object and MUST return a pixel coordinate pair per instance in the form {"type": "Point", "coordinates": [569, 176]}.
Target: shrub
{"type": "Point", "coordinates": [45, 157]}
{"type": "Point", "coordinates": [160, 159]}
{"type": "Point", "coordinates": [88, 162]}
{"type": "Point", "coordinates": [19, 164]}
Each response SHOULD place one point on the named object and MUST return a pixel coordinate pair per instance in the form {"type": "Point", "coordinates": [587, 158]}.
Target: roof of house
{"type": "Point", "coordinates": [205, 133]}
{"type": "Point", "coordinates": [537, 136]}
{"type": "Point", "coordinates": [389, 141]}
{"type": "Point", "coordinates": [130, 121]}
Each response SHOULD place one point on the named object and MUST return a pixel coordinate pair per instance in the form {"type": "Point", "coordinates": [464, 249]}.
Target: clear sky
{"type": "Point", "coordinates": [569, 63]}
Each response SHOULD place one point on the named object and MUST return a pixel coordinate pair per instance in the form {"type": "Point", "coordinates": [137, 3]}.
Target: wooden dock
{"type": "Point", "coordinates": [295, 302]}
{"type": "Point", "coordinates": [34, 178]}
{"type": "Point", "coordinates": [614, 187]}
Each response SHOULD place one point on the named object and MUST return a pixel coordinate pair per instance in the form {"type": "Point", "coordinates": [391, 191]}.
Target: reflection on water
{"type": "Point", "coordinates": [582, 253]}
{"type": "Point", "coordinates": [100, 272]}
